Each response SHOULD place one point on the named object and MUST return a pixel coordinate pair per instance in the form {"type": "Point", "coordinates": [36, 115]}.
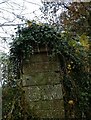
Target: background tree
{"type": "Point", "coordinates": [77, 21]}
{"type": "Point", "coordinates": [77, 17]}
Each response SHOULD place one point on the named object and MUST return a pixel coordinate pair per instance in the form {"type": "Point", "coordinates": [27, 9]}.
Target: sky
{"type": "Point", "coordinates": [12, 12]}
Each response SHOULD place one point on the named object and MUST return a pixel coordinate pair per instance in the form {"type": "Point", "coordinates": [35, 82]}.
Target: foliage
{"type": "Point", "coordinates": [72, 48]}
{"type": "Point", "coordinates": [49, 10]}
{"type": "Point", "coordinates": [14, 103]}
{"type": "Point", "coordinates": [77, 18]}
{"type": "Point", "coordinates": [73, 54]}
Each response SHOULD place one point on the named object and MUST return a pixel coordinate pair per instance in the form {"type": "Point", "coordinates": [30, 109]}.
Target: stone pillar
{"type": "Point", "coordinates": [41, 82]}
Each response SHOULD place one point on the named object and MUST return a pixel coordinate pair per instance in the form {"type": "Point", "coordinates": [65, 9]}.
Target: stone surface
{"type": "Point", "coordinates": [41, 81]}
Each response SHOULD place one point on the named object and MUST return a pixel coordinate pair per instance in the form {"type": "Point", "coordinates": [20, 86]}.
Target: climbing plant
{"type": "Point", "coordinates": [73, 54]}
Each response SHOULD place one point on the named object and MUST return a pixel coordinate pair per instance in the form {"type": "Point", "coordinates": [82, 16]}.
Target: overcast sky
{"type": "Point", "coordinates": [12, 12]}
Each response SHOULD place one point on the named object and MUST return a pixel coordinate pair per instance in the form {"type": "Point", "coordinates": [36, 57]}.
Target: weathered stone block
{"type": "Point", "coordinates": [41, 82]}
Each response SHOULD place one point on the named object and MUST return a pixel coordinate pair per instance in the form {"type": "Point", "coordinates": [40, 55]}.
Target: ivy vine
{"type": "Point", "coordinates": [73, 56]}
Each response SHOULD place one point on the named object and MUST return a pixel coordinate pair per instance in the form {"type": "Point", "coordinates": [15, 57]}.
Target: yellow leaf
{"type": "Point", "coordinates": [40, 24]}
{"type": "Point", "coordinates": [72, 43]}
{"type": "Point", "coordinates": [71, 102]}
{"type": "Point", "coordinates": [29, 23]}
{"type": "Point", "coordinates": [84, 40]}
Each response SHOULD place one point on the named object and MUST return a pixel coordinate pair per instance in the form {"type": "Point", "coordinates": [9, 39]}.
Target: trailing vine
{"type": "Point", "coordinates": [73, 56]}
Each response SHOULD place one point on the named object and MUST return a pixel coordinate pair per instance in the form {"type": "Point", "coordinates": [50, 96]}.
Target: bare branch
{"type": "Point", "coordinates": [11, 24]}
{"type": "Point", "coordinates": [4, 1]}
{"type": "Point", "coordinates": [33, 3]}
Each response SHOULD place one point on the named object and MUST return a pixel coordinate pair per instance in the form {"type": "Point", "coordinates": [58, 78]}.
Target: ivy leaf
{"type": "Point", "coordinates": [18, 43]}
{"type": "Point", "coordinates": [84, 40]}
{"type": "Point", "coordinates": [72, 43]}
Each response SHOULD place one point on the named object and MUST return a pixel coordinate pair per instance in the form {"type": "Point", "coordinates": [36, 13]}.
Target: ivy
{"type": "Point", "coordinates": [72, 53]}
